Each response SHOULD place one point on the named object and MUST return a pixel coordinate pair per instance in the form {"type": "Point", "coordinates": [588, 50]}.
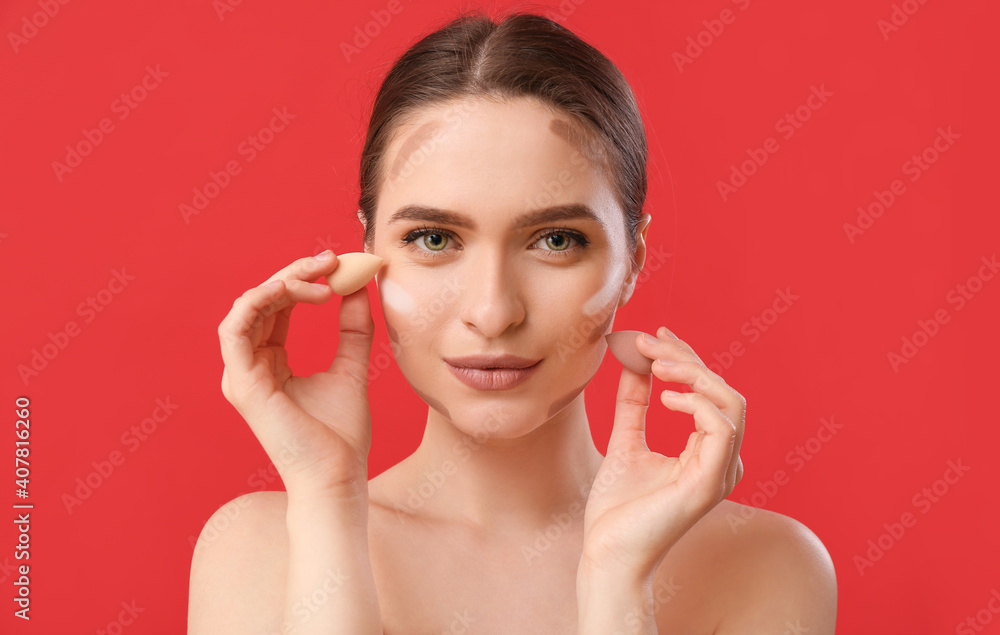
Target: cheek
{"type": "Point", "coordinates": [397, 299]}
{"type": "Point", "coordinates": [414, 308]}
{"type": "Point", "coordinates": [598, 303]}
{"type": "Point", "coordinates": [598, 311]}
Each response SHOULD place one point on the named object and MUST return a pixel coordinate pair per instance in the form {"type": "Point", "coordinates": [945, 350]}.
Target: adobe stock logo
{"type": "Point", "coordinates": [787, 126]}
{"type": "Point", "coordinates": [914, 168]}
{"type": "Point", "coordinates": [364, 34]}
{"type": "Point", "coordinates": [250, 148]}
{"type": "Point", "coordinates": [959, 296]}
{"type": "Point", "coordinates": [714, 28]}
{"type": "Point", "coordinates": [753, 328]}
{"type": "Point", "coordinates": [899, 16]}
{"type": "Point", "coordinates": [131, 439]}
{"type": "Point", "coordinates": [923, 500]}
{"type": "Point", "coordinates": [123, 105]}
{"type": "Point", "coordinates": [29, 28]}
{"type": "Point", "coordinates": [60, 340]}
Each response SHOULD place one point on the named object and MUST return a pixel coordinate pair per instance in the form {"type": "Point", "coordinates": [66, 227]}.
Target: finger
{"type": "Point", "coordinates": [300, 291]}
{"type": "Point", "coordinates": [738, 418]}
{"type": "Point", "coordinates": [308, 268]}
{"type": "Point", "coordinates": [628, 433]}
{"type": "Point", "coordinates": [701, 380]}
{"type": "Point", "coordinates": [237, 329]}
{"type": "Point", "coordinates": [667, 348]}
{"type": "Point", "coordinates": [357, 329]}
{"type": "Point", "coordinates": [715, 449]}
{"type": "Point", "coordinates": [244, 328]}
{"type": "Point", "coordinates": [666, 335]}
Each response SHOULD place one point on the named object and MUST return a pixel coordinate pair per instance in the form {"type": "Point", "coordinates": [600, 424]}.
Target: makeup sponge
{"type": "Point", "coordinates": [622, 345]}
{"type": "Point", "coordinates": [354, 270]}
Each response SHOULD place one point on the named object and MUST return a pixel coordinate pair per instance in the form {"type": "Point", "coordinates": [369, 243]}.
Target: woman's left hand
{"type": "Point", "coordinates": [642, 502]}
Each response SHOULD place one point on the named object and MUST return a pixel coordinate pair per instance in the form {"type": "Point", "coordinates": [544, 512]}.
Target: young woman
{"type": "Point", "coordinates": [502, 183]}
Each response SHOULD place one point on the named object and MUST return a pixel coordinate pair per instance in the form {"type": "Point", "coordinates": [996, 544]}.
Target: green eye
{"type": "Point", "coordinates": [429, 242]}
{"type": "Point", "coordinates": [561, 242]}
{"type": "Point", "coordinates": [559, 238]}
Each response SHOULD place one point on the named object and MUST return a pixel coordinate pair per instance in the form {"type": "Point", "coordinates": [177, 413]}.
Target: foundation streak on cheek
{"type": "Point", "coordinates": [597, 333]}
{"type": "Point", "coordinates": [432, 402]}
{"type": "Point", "coordinates": [397, 298]}
{"type": "Point", "coordinates": [600, 306]}
{"type": "Point", "coordinates": [607, 293]}
{"type": "Point", "coordinates": [564, 401]}
{"type": "Point", "coordinates": [592, 309]}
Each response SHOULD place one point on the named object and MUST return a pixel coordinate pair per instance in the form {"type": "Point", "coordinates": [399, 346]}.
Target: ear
{"type": "Point", "coordinates": [628, 287]}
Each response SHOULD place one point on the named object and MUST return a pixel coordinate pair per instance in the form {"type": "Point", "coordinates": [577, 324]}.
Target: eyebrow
{"type": "Point", "coordinates": [570, 211]}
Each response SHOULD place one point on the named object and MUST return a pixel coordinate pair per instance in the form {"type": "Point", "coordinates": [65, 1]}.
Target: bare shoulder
{"type": "Point", "coordinates": [754, 571]}
{"type": "Point", "coordinates": [239, 567]}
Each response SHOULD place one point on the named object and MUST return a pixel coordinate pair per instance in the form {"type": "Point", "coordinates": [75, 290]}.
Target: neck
{"type": "Point", "coordinates": [513, 485]}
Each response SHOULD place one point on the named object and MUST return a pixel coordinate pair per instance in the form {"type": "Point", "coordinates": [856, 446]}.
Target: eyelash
{"type": "Point", "coordinates": [581, 240]}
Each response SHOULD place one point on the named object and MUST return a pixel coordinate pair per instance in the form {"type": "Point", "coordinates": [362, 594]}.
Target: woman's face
{"type": "Point", "coordinates": [477, 261]}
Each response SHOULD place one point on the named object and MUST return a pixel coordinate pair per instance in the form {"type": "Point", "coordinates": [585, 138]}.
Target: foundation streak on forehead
{"type": "Point", "coordinates": [574, 133]}
{"type": "Point", "coordinates": [423, 134]}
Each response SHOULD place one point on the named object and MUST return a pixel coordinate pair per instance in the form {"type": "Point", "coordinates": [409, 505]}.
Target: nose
{"type": "Point", "coordinates": [492, 302]}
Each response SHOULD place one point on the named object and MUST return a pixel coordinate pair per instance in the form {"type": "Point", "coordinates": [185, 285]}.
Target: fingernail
{"type": "Point", "coordinates": [273, 283]}
{"type": "Point", "coordinates": [320, 285]}
{"type": "Point", "coordinates": [667, 332]}
{"type": "Point", "coordinates": [324, 255]}
{"type": "Point", "coordinates": [649, 338]}
{"type": "Point", "coordinates": [665, 362]}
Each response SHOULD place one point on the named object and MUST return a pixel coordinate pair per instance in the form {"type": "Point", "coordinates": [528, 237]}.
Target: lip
{"type": "Point", "coordinates": [509, 372]}
{"type": "Point", "coordinates": [491, 361]}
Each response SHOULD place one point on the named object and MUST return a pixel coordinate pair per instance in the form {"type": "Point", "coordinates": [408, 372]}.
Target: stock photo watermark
{"type": "Point", "coordinates": [914, 168]}
{"type": "Point", "coordinates": [787, 125]}
{"type": "Point", "coordinates": [308, 605]}
{"type": "Point", "coordinates": [127, 616]}
{"type": "Point", "coordinates": [60, 340]}
{"type": "Point", "coordinates": [959, 297]}
{"type": "Point", "coordinates": [546, 538]}
{"type": "Point", "coordinates": [796, 459]}
{"type": "Point", "coordinates": [753, 329]}
{"type": "Point", "coordinates": [973, 624]}
{"type": "Point", "coordinates": [563, 11]}
{"type": "Point", "coordinates": [123, 106]}
{"type": "Point", "coordinates": [38, 20]}
{"type": "Point", "coordinates": [249, 149]}
{"type": "Point", "coordinates": [894, 530]}
{"type": "Point", "coordinates": [365, 33]}
{"type": "Point", "coordinates": [714, 28]}
{"type": "Point", "coordinates": [434, 480]}
{"type": "Point", "coordinates": [898, 17]}
{"type": "Point", "coordinates": [637, 618]}
{"type": "Point", "coordinates": [105, 467]}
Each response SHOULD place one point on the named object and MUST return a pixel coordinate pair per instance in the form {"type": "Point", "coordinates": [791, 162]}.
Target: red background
{"type": "Point", "coordinates": [825, 357]}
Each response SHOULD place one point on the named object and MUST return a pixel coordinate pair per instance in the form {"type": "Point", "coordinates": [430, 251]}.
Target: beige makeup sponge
{"type": "Point", "coordinates": [622, 345]}
{"type": "Point", "coordinates": [354, 270]}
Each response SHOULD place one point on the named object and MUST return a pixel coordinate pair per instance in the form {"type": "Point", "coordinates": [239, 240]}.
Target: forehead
{"type": "Point", "coordinates": [418, 137]}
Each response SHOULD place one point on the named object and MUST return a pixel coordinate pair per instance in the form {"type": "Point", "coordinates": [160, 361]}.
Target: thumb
{"type": "Point", "coordinates": [357, 329]}
{"type": "Point", "coordinates": [629, 431]}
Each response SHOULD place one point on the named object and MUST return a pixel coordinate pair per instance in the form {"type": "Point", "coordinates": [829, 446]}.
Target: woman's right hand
{"type": "Point", "coordinates": [316, 429]}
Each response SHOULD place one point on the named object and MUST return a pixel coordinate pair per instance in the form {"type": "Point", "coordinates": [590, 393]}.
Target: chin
{"type": "Point", "coordinates": [496, 417]}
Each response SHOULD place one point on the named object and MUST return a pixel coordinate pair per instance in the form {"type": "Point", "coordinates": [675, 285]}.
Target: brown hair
{"type": "Point", "coordinates": [524, 55]}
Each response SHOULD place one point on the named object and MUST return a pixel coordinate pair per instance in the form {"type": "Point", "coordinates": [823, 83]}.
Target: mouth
{"type": "Point", "coordinates": [492, 372]}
